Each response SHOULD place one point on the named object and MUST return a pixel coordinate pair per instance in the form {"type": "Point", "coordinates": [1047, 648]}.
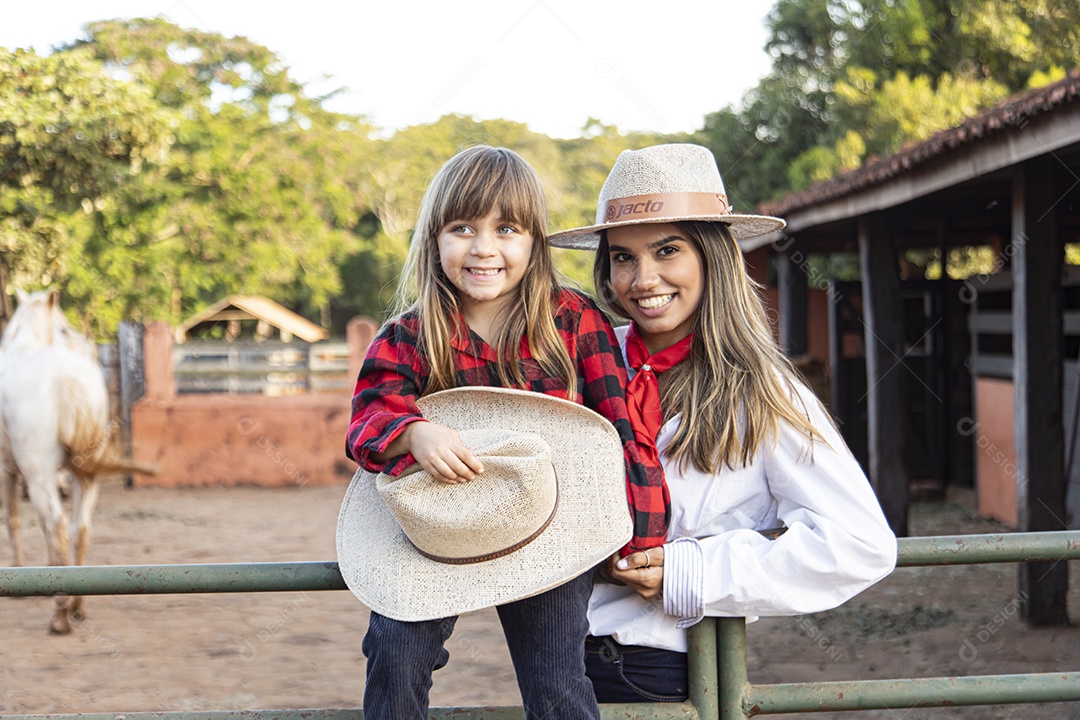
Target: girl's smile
{"type": "Point", "coordinates": [658, 276]}
{"type": "Point", "coordinates": [485, 259]}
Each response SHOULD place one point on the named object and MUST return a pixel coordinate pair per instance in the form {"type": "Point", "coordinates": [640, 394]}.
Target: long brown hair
{"type": "Point", "coordinates": [735, 373]}
{"type": "Point", "coordinates": [469, 186]}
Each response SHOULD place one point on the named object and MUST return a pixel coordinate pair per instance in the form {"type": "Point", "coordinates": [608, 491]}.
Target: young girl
{"type": "Point", "coordinates": [488, 312]}
{"type": "Point", "coordinates": [749, 452]}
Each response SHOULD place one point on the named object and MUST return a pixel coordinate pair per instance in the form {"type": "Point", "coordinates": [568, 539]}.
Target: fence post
{"type": "Point", "coordinates": [129, 349]}
{"type": "Point", "coordinates": [702, 669]}
{"type": "Point", "coordinates": [731, 658]}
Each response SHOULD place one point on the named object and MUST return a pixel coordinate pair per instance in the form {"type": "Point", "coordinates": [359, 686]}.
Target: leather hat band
{"type": "Point", "coordinates": [662, 205]}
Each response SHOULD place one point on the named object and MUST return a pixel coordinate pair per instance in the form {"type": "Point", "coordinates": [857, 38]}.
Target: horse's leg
{"type": "Point", "coordinates": [14, 521]}
{"type": "Point", "coordinates": [45, 498]}
{"type": "Point", "coordinates": [85, 492]}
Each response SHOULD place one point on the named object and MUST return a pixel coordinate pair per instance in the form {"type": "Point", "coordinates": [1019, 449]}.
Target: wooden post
{"type": "Point", "coordinates": [1038, 350]}
{"type": "Point", "coordinates": [793, 301]}
{"type": "Point", "coordinates": [359, 332]}
{"type": "Point", "coordinates": [836, 351]}
{"type": "Point", "coordinates": [885, 374]}
{"type": "Point", "coordinates": [129, 348]}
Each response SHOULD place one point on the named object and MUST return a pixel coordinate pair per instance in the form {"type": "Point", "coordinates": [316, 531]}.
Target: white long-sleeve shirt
{"type": "Point", "coordinates": [716, 563]}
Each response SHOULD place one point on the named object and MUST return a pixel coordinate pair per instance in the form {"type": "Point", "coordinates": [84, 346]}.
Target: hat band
{"type": "Point", "coordinates": [497, 553]}
{"type": "Point", "coordinates": [664, 205]}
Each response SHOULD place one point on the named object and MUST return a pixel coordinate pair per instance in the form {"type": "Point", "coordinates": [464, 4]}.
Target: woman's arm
{"type": "Point", "coordinates": [837, 541]}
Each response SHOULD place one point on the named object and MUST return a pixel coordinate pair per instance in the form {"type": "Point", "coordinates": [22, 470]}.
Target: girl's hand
{"type": "Point", "coordinates": [643, 571]}
{"type": "Point", "coordinates": [439, 450]}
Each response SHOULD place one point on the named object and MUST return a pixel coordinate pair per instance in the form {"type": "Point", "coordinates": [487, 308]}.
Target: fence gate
{"type": "Point", "coordinates": [719, 686]}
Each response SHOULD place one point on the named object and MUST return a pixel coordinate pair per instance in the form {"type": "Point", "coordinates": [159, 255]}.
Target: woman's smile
{"type": "Point", "coordinates": [658, 276]}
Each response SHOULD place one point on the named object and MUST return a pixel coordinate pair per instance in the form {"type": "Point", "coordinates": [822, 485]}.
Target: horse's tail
{"type": "Point", "coordinates": [111, 464]}
{"type": "Point", "coordinates": [85, 431]}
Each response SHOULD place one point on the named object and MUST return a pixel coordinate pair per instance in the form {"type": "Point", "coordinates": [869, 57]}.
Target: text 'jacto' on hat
{"type": "Point", "coordinates": [550, 505]}
{"type": "Point", "coordinates": [663, 184]}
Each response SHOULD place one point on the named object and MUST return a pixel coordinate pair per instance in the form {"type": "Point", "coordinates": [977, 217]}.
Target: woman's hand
{"type": "Point", "coordinates": [643, 571]}
{"type": "Point", "coordinates": [438, 449]}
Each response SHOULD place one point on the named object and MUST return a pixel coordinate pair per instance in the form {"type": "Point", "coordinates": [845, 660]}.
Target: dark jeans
{"type": "Point", "coordinates": [544, 633]}
{"type": "Point", "coordinates": [633, 673]}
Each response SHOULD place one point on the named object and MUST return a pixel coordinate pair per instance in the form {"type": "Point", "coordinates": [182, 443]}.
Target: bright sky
{"type": "Point", "coordinates": [550, 63]}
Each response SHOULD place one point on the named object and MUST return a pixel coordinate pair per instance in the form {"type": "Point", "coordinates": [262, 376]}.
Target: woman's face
{"type": "Point", "coordinates": [658, 275]}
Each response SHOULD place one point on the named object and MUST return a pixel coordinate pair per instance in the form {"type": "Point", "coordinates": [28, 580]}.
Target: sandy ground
{"type": "Point", "coordinates": [292, 650]}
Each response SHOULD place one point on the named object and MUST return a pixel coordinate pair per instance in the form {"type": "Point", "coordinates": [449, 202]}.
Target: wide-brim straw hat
{"type": "Point", "coordinates": [664, 184]}
{"type": "Point", "coordinates": [589, 520]}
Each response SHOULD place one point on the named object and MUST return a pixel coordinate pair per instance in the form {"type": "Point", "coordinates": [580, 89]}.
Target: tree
{"type": "Point", "coordinates": [249, 198]}
{"type": "Point", "coordinates": [877, 74]}
{"type": "Point", "coordinates": [70, 134]}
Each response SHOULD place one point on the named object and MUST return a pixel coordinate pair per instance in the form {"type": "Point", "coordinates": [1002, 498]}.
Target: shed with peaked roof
{"type": "Point", "coordinates": [262, 313]}
{"type": "Point", "coordinates": [956, 374]}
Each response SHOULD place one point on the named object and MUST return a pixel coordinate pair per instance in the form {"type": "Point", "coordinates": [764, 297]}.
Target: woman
{"type": "Point", "coordinates": [770, 513]}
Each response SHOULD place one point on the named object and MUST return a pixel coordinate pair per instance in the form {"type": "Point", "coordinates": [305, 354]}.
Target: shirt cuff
{"type": "Point", "coordinates": [684, 579]}
{"type": "Point", "coordinates": [393, 466]}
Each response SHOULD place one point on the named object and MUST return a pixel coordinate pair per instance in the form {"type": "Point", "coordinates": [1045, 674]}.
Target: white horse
{"type": "Point", "coordinates": [54, 416]}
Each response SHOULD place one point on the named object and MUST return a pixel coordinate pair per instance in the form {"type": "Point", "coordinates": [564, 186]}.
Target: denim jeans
{"type": "Point", "coordinates": [545, 635]}
{"type": "Point", "coordinates": [633, 673]}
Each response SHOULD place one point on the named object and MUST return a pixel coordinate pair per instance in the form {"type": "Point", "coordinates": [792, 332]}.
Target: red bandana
{"type": "Point", "coordinates": [643, 392]}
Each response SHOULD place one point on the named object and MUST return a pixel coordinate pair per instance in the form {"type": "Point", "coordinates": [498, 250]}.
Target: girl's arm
{"type": "Point", "coordinates": [438, 449]}
{"type": "Point", "coordinates": [603, 373]}
{"type": "Point", "coordinates": [837, 542]}
{"type": "Point", "coordinates": [384, 401]}
{"type": "Point", "coordinates": [384, 433]}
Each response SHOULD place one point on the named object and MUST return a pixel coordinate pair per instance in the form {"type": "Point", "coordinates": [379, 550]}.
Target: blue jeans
{"type": "Point", "coordinates": [545, 635]}
{"type": "Point", "coordinates": [634, 673]}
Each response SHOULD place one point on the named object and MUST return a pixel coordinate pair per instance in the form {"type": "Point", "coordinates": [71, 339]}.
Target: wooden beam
{"type": "Point", "coordinates": [885, 371]}
{"type": "Point", "coordinates": [791, 272]}
{"type": "Point", "coordinates": [1038, 352]}
{"type": "Point", "coordinates": [1042, 134]}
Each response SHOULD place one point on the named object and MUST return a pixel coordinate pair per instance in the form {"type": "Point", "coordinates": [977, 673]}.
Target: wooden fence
{"type": "Point", "coordinates": [267, 368]}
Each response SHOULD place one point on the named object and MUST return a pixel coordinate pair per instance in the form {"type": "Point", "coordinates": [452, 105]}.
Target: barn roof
{"type": "Point", "coordinates": [1012, 113]}
{"type": "Point", "coordinates": [254, 307]}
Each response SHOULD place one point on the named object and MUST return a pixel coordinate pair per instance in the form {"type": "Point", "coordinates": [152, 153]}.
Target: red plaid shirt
{"type": "Point", "coordinates": [394, 375]}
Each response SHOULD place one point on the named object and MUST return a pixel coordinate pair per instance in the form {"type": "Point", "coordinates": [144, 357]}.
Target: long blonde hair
{"type": "Point", "coordinates": [469, 186]}
{"type": "Point", "coordinates": [734, 368]}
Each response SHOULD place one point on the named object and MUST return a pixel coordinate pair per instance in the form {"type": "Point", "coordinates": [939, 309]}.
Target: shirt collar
{"type": "Point", "coordinates": [466, 341]}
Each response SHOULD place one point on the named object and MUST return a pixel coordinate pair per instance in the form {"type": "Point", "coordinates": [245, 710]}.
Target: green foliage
{"type": "Point", "coordinates": [883, 73]}
{"type": "Point", "coordinates": [901, 111]}
{"type": "Point", "coordinates": [259, 194]}
{"type": "Point", "coordinates": [149, 170]}
{"type": "Point", "coordinates": [1072, 254]}
{"type": "Point", "coordinates": [69, 135]}
{"type": "Point", "coordinates": [169, 167]}
{"type": "Point", "coordinates": [184, 67]}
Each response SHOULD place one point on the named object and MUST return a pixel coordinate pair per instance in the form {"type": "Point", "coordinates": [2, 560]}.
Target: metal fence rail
{"type": "Point", "coordinates": [719, 686]}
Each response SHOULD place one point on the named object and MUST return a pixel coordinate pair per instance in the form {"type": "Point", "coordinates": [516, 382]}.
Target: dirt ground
{"type": "Point", "coordinates": [295, 650]}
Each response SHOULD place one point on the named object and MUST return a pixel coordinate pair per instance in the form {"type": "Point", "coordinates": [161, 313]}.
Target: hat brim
{"type": "Point", "coordinates": [741, 226]}
{"type": "Point", "coordinates": [387, 573]}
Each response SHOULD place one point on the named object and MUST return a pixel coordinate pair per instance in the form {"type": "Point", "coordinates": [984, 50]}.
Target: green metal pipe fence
{"type": "Point", "coordinates": [719, 683]}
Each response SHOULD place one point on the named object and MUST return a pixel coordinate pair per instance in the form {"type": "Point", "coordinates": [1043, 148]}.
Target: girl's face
{"type": "Point", "coordinates": [485, 259]}
{"type": "Point", "coordinates": [658, 275]}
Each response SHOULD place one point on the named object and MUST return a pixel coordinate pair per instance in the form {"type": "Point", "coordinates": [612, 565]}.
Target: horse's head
{"type": "Point", "coordinates": [38, 322]}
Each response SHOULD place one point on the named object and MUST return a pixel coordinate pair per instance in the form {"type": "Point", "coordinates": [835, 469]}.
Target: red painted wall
{"type": "Point", "coordinates": [995, 449]}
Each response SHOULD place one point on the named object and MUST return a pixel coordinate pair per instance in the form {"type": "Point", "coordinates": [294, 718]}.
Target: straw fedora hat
{"type": "Point", "coordinates": [663, 184]}
{"type": "Point", "coordinates": [550, 505]}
